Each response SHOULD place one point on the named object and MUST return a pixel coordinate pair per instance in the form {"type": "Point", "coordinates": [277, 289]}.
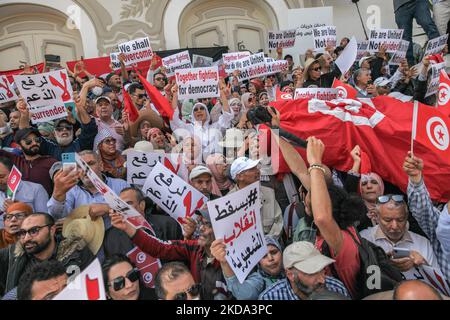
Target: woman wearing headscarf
{"type": "Point", "coordinates": [263, 99]}
{"type": "Point", "coordinates": [218, 166]}
{"type": "Point", "coordinates": [236, 108]}
{"type": "Point", "coordinates": [113, 161]}
{"type": "Point", "coordinates": [248, 101]}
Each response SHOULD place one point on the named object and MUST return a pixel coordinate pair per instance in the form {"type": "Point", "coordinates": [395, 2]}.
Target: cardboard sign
{"type": "Point", "coordinates": [348, 56]}
{"type": "Point", "coordinates": [252, 67]}
{"type": "Point", "coordinates": [326, 94]}
{"type": "Point", "coordinates": [147, 266]}
{"type": "Point", "coordinates": [140, 164]}
{"type": "Point", "coordinates": [400, 54]}
{"type": "Point", "coordinates": [433, 86]}
{"type": "Point", "coordinates": [390, 38]}
{"type": "Point", "coordinates": [88, 285]}
{"type": "Point", "coordinates": [7, 93]}
{"type": "Point", "coordinates": [178, 61]}
{"type": "Point", "coordinates": [323, 37]}
{"type": "Point", "coordinates": [436, 45]}
{"type": "Point", "coordinates": [14, 179]}
{"type": "Point", "coordinates": [114, 56]}
{"type": "Point", "coordinates": [276, 66]}
{"type": "Point", "coordinates": [362, 49]}
{"type": "Point", "coordinates": [202, 61]}
{"type": "Point", "coordinates": [198, 83]}
{"type": "Point", "coordinates": [230, 59]}
{"type": "Point", "coordinates": [136, 51]}
{"type": "Point", "coordinates": [47, 94]}
{"type": "Point", "coordinates": [172, 194]}
{"type": "Point", "coordinates": [236, 219]}
{"type": "Point", "coordinates": [282, 39]}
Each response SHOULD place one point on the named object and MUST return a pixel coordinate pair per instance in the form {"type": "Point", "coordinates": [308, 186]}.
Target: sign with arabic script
{"type": "Point", "coordinates": [236, 219]}
{"type": "Point", "coordinates": [172, 194]}
{"type": "Point", "coordinates": [140, 164]}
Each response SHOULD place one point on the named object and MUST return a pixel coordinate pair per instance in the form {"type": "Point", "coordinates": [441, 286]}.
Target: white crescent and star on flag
{"type": "Point", "coordinates": [438, 134]}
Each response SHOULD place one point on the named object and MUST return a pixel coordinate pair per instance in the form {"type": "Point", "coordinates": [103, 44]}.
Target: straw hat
{"type": "Point", "coordinates": [149, 115]}
{"type": "Point", "coordinates": [80, 224]}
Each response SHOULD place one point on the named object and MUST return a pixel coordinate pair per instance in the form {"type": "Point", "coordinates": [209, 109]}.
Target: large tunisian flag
{"type": "Point", "coordinates": [381, 126]}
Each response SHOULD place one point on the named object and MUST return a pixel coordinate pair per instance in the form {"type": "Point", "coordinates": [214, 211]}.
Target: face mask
{"type": "Point", "coordinates": [97, 91]}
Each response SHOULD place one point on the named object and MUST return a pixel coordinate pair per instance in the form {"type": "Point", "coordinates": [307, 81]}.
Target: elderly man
{"type": "Point", "coordinates": [305, 275]}
{"type": "Point", "coordinates": [201, 179]}
{"type": "Point", "coordinates": [174, 281]}
{"type": "Point", "coordinates": [245, 172]}
{"type": "Point", "coordinates": [392, 233]}
{"type": "Point", "coordinates": [361, 78]}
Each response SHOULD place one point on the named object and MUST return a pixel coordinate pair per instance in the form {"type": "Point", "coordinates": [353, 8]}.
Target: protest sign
{"type": "Point", "coordinates": [114, 56]}
{"type": "Point", "coordinates": [429, 275]}
{"type": "Point", "coordinates": [87, 285]}
{"type": "Point", "coordinates": [400, 54]}
{"type": "Point", "coordinates": [390, 38]}
{"type": "Point", "coordinates": [282, 39]}
{"type": "Point", "coordinates": [7, 93]}
{"type": "Point", "coordinates": [324, 37]}
{"type": "Point", "coordinates": [362, 49]}
{"type": "Point", "coordinates": [14, 179]}
{"type": "Point", "coordinates": [433, 86]}
{"type": "Point", "coordinates": [276, 66]}
{"type": "Point", "coordinates": [140, 164]}
{"type": "Point", "coordinates": [198, 83]}
{"type": "Point", "coordinates": [181, 60]}
{"type": "Point", "coordinates": [436, 45]}
{"type": "Point", "coordinates": [229, 59]}
{"type": "Point", "coordinates": [147, 266]}
{"type": "Point", "coordinates": [136, 51]}
{"type": "Point", "coordinates": [202, 61]}
{"type": "Point", "coordinates": [326, 94]}
{"type": "Point", "coordinates": [348, 56]}
{"type": "Point", "coordinates": [172, 194]}
{"type": "Point", "coordinates": [47, 94]}
{"type": "Point", "coordinates": [252, 67]}
{"type": "Point", "coordinates": [236, 219]}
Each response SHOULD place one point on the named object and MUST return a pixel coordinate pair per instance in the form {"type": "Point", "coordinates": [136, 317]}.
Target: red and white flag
{"type": "Point", "coordinates": [444, 92]}
{"type": "Point", "coordinates": [345, 91]}
{"type": "Point", "coordinates": [283, 95]}
{"type": "Point", "coordinates": [14, 178]}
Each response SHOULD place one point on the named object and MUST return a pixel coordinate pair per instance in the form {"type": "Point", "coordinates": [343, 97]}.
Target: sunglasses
{"type": "Point", "coordinates": [33, 232]}
{"type": "Point", "coordinates": [193, 291]}
{"type": "Point", "coordinates": [62, 128]}
{"type": "Point", "coordinates": [198, 109]}
{"type": "Point", "coordinates": [30, 141]}
{"type": "Point", "coordinates": [316, 69]}
{"type": "Point", "coordinates": [18, 216]}
{"type": "Point", "coordinates": [396, 197]}
{"type": "Point", "coordinates": [109, 141]}
{"type": "Point", "coordinates": [119, 282]}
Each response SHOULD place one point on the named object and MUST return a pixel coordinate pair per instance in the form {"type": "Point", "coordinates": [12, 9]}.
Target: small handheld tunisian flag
{"type": "Point", "coordinates": [444, 93]}
{"type": "Point", "coordinates": [129, 107]}
{"type": "Point", "coordinates": [283, 95]}
{"type": "Point", "coordinates": [344, 90]}
{"type": "Point", "coordinates": [14, 178]}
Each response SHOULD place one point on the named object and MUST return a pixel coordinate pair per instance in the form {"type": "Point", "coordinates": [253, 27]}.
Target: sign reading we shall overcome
{"type": "Point", "coordinates": [198, 83]}
{"type": "Point", "coordinates": [46, 94]}
{"type": "Point", "coordinates": [282, 39]}
{"type": "Point", "coordinates": [136, 51]}
{"type": "Point", "coordinates": [236, 219]}
{"type": "Point", "coordinates": [390, 38]}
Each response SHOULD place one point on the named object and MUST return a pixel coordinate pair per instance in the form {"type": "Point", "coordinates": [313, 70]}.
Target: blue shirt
{"type": "Point", "coordinates": [32, 194]}
{"type": "Point", "coordinates": [282, 290]}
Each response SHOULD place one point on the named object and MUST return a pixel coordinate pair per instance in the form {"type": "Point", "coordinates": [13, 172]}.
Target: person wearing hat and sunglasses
{"type": "Point", "coordinates": [313, 75]}
{"type": "Point", "coordinates": [392, 233]}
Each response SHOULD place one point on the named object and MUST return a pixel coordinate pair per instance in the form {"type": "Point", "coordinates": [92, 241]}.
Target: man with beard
{"type": "Point", "coordinates": [196, 253]}
{"type": "Point", "coordinates": [32, 164]}
{"type": "Point", "coordinates": [305, 275]}
{"type": "Point", "coordinates": [37, 243]}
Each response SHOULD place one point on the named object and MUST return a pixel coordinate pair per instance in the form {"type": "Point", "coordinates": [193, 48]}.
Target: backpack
{"type": "Point", "coordinates": [370, 255]}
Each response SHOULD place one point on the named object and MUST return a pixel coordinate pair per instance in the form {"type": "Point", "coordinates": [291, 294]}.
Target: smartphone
{"type": "Point", "coordinates": [68, 162]}
{"type": "Point", "coordinates": [401, 253]}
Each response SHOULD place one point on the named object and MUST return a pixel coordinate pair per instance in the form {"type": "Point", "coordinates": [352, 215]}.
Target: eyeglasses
{"type": "Point", "coordinates": [30, 141]}
{"type": "Point", "coordinates": [18, 216]}
{"type": "Point", "coordinates": [119, 282]}
{"type": "Point", "coordinates": [193, 291]}
{"type": "Point", "coordinates": [198, 109]}
{"type": "Point", "coordinates": [33, 232]}
{"type": "Point", "coordinates": [396, 197]}
{"type": "Point", "coordinates": [62, 128]}
{"type": "Point", "coordinates": [109, 141]}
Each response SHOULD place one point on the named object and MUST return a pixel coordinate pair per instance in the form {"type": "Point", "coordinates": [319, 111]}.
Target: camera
{"type": "Point", "coordinates": [259, 115]}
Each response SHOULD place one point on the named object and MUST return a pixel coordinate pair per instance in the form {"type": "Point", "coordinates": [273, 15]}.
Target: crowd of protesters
{"type": "Point", "coordinates": [59, 219]}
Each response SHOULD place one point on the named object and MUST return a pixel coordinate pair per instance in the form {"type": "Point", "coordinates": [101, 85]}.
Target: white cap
{"type": "Point", "coordinates": [242, 164]}
{"type": "Point", "coordinates": [198, 171]}
{"type": "Point", "coordinates": [102, 98]}
{"type": "Point", "coordinates": [364, 59]}
{"type": "Point", "coordinates": [381, 82]}
{"type": "Point", "coordinates": [305, 257]}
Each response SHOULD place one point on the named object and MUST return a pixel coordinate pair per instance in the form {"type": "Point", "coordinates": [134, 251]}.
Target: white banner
{"type": "Point", "coordinates": [229, 59]}
{"type": "Point", "coordinates": [348, 56]}
{"type": "Point", "coordinates": [433, 86]}
{"type": "Point", "coordinates": [180, 60]}
{"type": "Point", "coordinates": [436, 45]}
{"type": "Point", "coordinates": [276, 66]}
{"type": "Point", "coordinates": [323, 37]}
{"type": "Point", "coordinates": [362, 49]}
{"type": "Point", "coordinates": [398, 56]}
{"type": "Point", "coordinates": [326, 94]}
{"type": "Point", "coordinates": [46, 94]}
{"type": "Point", "coordinates": [236, 219]}
{"type": "Point", "coordinates": [202, 61]}
{"type": "Point", "coordinates": [87, 285]}
{"type": "Point", "coordinates": [390, 38]}
{"type": "Point", "coordinates": [136, 51]}
{"type": "Point", "coordinates": [252, 67]}
{"type": "Point", "coordinates": [282, 39]}
{"type": "Point", "coordinates": [140, 164]}
{"type": "Point", "coordinates": [198, 83]}
{"type": "Point", "coordinates": [7, 93]}
{"type": "Point", "coordinates": [172, 194]}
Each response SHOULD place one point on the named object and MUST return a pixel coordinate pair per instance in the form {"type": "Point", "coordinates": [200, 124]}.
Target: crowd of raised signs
{"type": "Point", "coordinates": [179, 183]}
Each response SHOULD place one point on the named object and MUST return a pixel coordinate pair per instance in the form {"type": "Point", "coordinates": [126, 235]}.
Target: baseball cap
{"type": "Point", "coordinates": [23, 133]}
{"type": "Point", "coordinates": [305, 257]}
{"type": "Point", "coordinates": [241, 164]}
{"type": "Point", "coordinates": [198, 171]}
{"type": "Point", "coordinates": [102, 98]}
{"type": "Point", "coordinates": [381, 82]}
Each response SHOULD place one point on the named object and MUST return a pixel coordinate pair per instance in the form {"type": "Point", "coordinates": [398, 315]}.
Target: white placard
{"type": "Point", "coordinates": [229, 59]}
{"type": "Point", "coordinates": [323, 37]}
{"type": "Point", "coordinates": [276, 66]}
{"type": "Point", "coordinates": [114, 57]}
{"type": "Point", "coordinates": [436, 45]}
{"type": "Point", "coordinates": [172, 194]}
{"type": "Point", "coordinates": [7, 93]}
{"type": "Point", "coordinates": [282, 39]}
{"type": "Point", "coordinates": [236, 219]}
{"type": "Point", "coordinates": [88, 285]}
{"type": "Point", "coordinates": [398, 56]}
{"type": "Point", "coordinates": [140, 164]}
{"type": "Point", "coordinates": [136, 51]}
{"type": "Point", "coordinates": [177, 61]}
{"type": "Point", "coordinates": [433, 86]}
{"type": "Point", "coordinates": [198, 83]}
{"type": "Point", "coordinates": [348, 56]}
{"type": "Point", "coordinates": [391, 38]}
{"type": "Point", "coordinates": [362, 49]}
{"type": "Point", "coordinates": [326, 94]}
{"type": "Point", "coordinates": [252, 67]}
{"type": "Point", "coordinates": [46, 94]}
{"type": "Point", "coordinates": [202, 61]}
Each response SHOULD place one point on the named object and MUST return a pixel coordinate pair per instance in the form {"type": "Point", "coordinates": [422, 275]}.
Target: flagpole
{"type": "Point", "coordinates": [414, 126]}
